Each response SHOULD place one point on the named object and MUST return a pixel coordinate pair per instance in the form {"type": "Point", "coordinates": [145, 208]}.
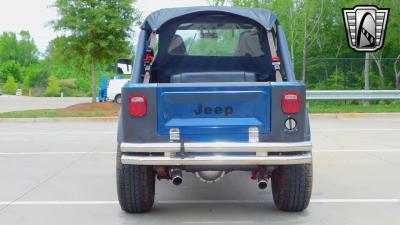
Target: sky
{"type": "Point", "coordinates": [34, 16]}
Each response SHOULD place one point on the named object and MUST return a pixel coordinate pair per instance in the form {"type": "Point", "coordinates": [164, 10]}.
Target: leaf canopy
{"type": "Point", "coordinates": [98, 29]}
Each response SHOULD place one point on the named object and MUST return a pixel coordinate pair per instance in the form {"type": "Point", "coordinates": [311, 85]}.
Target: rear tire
{"type": "Point", "coordinates": [135, 187]}
{"type": "Point", "coordinates": [292, 186]}
{"type": "Point", "coordinates": [118, 99]}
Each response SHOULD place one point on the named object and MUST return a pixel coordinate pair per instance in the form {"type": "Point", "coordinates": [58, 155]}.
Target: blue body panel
{"type": "Point", "coordinates": [213, 113]}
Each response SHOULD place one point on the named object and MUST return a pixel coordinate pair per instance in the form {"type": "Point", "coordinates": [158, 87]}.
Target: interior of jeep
{"type": "Point", "coordinates": [212, 48]}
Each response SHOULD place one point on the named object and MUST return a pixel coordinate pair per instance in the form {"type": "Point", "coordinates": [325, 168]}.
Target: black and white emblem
{"type": "Point", "coordinates": [365, 26]}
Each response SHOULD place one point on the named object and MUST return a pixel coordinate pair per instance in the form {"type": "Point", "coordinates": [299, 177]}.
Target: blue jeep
{"type": "Point", "coordinates": [213, 91]}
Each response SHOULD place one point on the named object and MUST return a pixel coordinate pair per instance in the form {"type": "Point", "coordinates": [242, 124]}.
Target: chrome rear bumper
{"type": "Point", "coordinates": [301, 153]}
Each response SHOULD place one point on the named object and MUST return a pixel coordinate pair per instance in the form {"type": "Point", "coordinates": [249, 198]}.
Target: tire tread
{"type": "Point", "coordinates": [135, 187]}
{"type": "Point", "coordinates": [292, 187]}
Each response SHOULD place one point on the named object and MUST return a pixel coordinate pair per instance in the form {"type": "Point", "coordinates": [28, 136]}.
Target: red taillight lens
{"type": "Point", "coordinates": [291, 102]}
{"type": "Point", "coordinates": [137, 105]}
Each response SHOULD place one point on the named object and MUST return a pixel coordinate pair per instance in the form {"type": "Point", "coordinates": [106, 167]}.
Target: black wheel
{"type": "Point", "coordinates": [291, 187]}
{"type": "Point", "coordinates": [118, 99]}
{"type": "Point", "coordinates": [135, 187]}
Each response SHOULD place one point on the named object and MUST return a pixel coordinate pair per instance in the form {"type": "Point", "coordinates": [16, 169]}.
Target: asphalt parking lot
{"type": "Point", "coordinates": [64, 173]}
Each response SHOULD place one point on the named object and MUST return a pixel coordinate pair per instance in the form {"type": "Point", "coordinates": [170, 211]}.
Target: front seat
{"type": "Point", "coordinates": [199, 77]}
{"type": "Point", "coordinates": [177, 46]}
{"type": "Point", "coordinates": [249, 45]}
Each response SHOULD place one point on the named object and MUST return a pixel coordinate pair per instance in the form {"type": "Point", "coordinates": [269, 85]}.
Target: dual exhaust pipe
{"type": "Point", "coordinates": [176, 178]}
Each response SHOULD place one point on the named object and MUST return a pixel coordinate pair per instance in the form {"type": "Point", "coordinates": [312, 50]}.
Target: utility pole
{"type": "Point", "coordinates": [366, 76]}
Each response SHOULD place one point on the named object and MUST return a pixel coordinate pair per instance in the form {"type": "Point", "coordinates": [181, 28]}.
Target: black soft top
{"type": "Point", "coordinates": [156, 19]}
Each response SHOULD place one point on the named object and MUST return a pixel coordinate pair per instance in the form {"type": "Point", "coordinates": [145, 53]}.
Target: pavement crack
{"type": "Point", "coordinates": [2, 209]}
{"type": "Point", "coordinates": [382, 159]}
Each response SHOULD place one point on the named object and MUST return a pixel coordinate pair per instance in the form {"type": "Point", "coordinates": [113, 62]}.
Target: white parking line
{"type": "Point", "coordinates": [54, 153]}
{"type": "Point", "coordinates": [355, 150]}
{"type": "Point", "coordinates": [60, 203]}
{"type": "Point", "coordinates": [201, 201]}
{"type": "Point", "coordinates": [338, 200]}
{"type": "Point", "coordinates": [355, 200]}
{"type": "Point", "coordinates": [345, 200]}
{"type": "Point", "coordinates": [354, 130]}
{"type": "Point", "coordinates": [33, 133]}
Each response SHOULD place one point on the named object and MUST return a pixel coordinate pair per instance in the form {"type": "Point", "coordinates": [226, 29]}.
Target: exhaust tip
{"type": "Point", "coordinates": [262, 184]}
{"type": "Point", "coordinates": [176, 176]}
{"type": "Point", "coordinates": [177, 180]}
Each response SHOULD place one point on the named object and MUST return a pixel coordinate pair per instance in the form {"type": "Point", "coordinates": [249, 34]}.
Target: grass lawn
{"type": "Point", "coordinates": [40, 113]}
{"type": "Point", "coordinates": [79, 110]}
{"type": "Point", "coordinates": [354, 107]}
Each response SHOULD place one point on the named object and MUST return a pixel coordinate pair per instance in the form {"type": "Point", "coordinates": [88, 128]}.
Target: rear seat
{"type": "Point", "coordinates": [198, 77]}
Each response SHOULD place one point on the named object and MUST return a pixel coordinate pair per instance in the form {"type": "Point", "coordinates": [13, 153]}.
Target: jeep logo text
{"type": "Point", "coordinates": [210, 110]}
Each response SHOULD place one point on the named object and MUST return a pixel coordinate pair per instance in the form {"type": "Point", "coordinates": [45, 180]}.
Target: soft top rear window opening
{"type": "Point", "coordinates": [214, 35]}
{"type": "Point", "coordinates": [212, 43]}
{"type": "Point", "coordinates": [157, 21]}
{"type": "Point", "coordinates": [217, 39]}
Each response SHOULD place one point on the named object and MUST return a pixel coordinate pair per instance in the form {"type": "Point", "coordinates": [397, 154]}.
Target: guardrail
{"type": "Point", "coordinates": [353, 95]}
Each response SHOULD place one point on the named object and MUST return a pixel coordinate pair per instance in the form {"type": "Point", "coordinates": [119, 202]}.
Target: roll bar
{"type": "Point", "coordinates": [140, 51]}
{"type": "Point", "coordinates": [282, 47]}
{"type": "Point", "coordinates": [285, 55]}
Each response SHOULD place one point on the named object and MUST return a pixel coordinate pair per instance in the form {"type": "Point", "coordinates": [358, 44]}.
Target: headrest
{"type": "Point", "coordinates": [199, 77]}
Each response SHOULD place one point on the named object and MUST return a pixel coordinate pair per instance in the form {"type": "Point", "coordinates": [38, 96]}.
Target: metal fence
{"type": "Point", "coordinates": [354, 95]}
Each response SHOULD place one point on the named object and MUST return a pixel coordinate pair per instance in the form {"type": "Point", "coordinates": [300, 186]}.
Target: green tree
{"type": "Point", "coordinates": [10, 87]}
{"type": "Point", "coordinates": [315, 30]}
{"type": "Point", "coordinates": [17, 54]}
{"type": "Point", "coordinates": [27, 52]}
{"type": "Point", "coordinates": [19, 48]}
{"type": "Point", "coordinates": [98, 31]}
{"type": "Point", "coordinates": [8, 46]}
{"type": "Point", "coordinates": [10, 68]}
{"type": "Point", "coordinates": [216, 2]}
{"type": "Point", "coordinates": [53, 88]}
{"type": "Point", "coordinates": [33, 75]}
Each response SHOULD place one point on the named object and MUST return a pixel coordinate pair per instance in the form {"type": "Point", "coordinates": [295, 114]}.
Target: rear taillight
{"type": "Point", "coordinates": [137, 105]}
{"type": "Point", "coordinates": [291, 102]}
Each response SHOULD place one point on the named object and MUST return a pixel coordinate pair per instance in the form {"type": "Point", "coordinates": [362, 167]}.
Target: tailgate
{"type": "Point", "coordinates": [213, 112]}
